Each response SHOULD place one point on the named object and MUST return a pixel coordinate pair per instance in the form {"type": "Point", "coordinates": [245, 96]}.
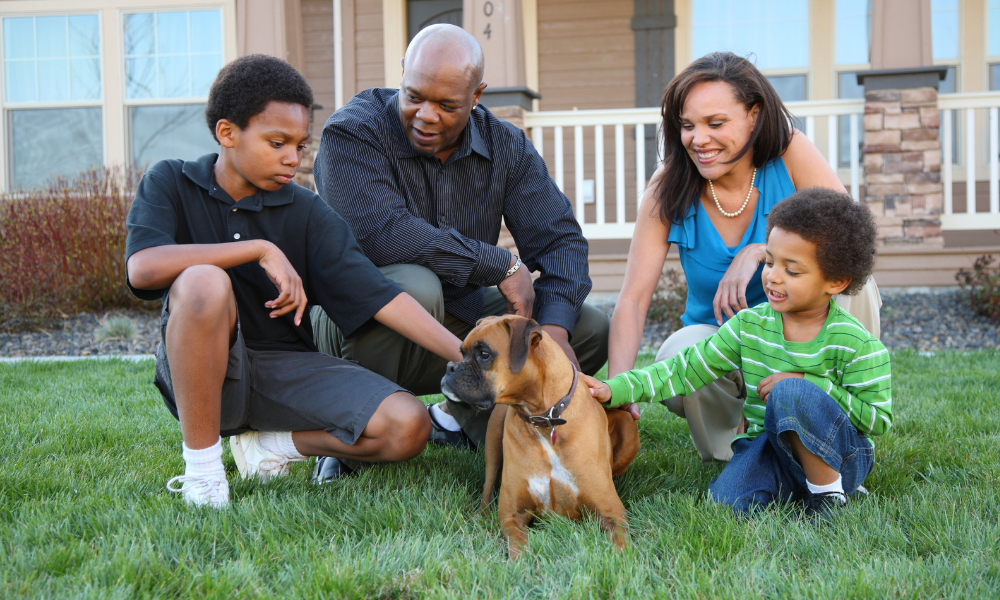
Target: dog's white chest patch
{"type": "Point", "coordinates": [539, 486]}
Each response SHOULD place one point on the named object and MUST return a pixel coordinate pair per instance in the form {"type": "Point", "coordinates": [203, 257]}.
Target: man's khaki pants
{"type": "Point", "coordinates": [379, 349]}
{"type": "Point", "coordinates": [714, 412]}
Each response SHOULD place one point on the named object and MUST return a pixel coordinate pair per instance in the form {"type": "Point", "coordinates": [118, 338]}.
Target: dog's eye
{"type": "Point", "coordinates": [483, 354]}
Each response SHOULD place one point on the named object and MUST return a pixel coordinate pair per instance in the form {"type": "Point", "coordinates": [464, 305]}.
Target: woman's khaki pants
{"type": "Point", "coordinates": [714, 412]}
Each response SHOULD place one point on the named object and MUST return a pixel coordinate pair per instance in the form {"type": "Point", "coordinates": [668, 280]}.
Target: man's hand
{"type": "Point", "coordinates": [731, 297]}
{"type": "Point", "coordinates": [291, 294]}
{"type": "Point", "coordinates": [561, 337]}
{"type": "Point", "coordinates": [519, 291]}
{"type": "Point", "coordinates": [765, 385]}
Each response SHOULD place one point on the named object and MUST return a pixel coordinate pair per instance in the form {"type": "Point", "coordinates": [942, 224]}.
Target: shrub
{"type": "Point", "coordinates": [669, 299]}
{"type": "Point", "coordinates": [116, 329]}
{"type": "Point", "coordinates": [981, 287]}
{"type": "Point", "coordinates": [62, 248]}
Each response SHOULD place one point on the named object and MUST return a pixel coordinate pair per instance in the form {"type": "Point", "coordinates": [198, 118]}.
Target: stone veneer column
{"type": "Point", "coordinates": [902, 156]}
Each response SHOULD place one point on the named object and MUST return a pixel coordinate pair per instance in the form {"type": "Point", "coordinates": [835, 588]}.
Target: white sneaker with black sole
{"type": "Point", "coordinates": [202, 491]}
{"type": "Point", "coordinates": [253, 460]}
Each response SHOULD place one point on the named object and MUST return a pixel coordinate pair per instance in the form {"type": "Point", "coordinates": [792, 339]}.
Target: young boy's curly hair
{"type": "Point", "coordinates": [844, 232]}
{"type": "Point", "coordinates": [244, 87]}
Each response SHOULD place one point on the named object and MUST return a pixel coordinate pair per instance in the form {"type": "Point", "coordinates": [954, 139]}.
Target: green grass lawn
{"type": "Point", "coordinates": [86, 448]}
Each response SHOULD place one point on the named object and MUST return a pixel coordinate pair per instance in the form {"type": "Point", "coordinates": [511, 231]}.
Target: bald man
{"type": "Point", "coordinates": [424, 175]}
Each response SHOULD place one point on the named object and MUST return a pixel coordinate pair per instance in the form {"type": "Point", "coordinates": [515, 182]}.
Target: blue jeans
{"type": "Point", "coordinates": [763, 469]}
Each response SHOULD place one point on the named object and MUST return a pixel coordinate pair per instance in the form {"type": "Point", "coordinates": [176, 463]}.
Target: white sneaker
{"type": "Point", "coordinates": [202, 491]}
{"type": "Point", "coordinates": [252, 459]}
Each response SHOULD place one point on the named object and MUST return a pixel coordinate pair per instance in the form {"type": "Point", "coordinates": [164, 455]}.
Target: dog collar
{"type": "Point", "coordinates": [551, 418]}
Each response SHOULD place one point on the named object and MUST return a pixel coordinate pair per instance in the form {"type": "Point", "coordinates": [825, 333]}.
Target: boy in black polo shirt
{"type": "Point", "coordinates": [236, 251]}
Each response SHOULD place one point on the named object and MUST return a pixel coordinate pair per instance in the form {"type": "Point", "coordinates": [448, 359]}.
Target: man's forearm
{"type": "Point", "coordinates": [157, 267]}
{"type": "Point", "coordinates": [405, 316]}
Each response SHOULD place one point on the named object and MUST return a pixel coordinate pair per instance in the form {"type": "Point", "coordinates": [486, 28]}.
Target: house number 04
{"type": "Point", "coordinates": [488, 11]}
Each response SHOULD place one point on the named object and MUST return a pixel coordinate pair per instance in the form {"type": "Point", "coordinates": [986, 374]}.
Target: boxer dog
{"type": "Point", "coordinates": [559, 448]}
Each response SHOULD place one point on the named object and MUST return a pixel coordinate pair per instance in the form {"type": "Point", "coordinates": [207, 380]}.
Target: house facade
{"type": "Point", "coordinates": [92, 82]}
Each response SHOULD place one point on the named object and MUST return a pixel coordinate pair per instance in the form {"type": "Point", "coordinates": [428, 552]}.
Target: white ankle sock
{"type": "Point", "coordinates": [279, 442]}
{"type": "Point", "coordinates": [836, 487]}
{"type": "Point", "coordinates": [206, 462]}
{"type": "Point", "coordinates": [443, 419]}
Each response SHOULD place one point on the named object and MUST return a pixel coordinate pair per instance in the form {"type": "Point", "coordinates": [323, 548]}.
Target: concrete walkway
{"type": "Point", "coordinates": [99, 357]}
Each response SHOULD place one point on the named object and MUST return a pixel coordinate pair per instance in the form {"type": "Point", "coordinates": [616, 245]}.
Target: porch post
{"type": "Point", "coordinates": [499, 27]}
{"type": "Point", "coordinates": [902, 149]}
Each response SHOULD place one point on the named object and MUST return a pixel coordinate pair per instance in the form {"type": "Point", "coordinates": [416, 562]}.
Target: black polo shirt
{"type": "Point", "coordinates": [179, 202]}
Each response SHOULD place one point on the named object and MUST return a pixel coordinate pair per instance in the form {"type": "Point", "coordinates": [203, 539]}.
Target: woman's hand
{"type": "Point", "coordinates": [731, 297]}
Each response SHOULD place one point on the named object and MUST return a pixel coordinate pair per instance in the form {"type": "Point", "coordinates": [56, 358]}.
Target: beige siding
{"type": "Point", "coordinates": [368, 46]}
{"type": "Point", "coordinates": [317, 45]}
{"type": "Point", "coordinates": [586, 54]}
{"type": "Point", "coordinates": [586, 60]}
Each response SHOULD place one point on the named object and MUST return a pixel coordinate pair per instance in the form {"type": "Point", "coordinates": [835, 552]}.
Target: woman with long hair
{"type": "Point", "coordinates": [730, 154]}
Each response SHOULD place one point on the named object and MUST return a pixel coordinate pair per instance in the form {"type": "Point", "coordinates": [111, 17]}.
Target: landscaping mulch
{"type": "Point", "coordinates": [922, 322]}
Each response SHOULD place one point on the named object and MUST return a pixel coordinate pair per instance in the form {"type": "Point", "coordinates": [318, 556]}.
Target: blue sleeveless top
{"type": "Point", "coordinates": [705, 257]}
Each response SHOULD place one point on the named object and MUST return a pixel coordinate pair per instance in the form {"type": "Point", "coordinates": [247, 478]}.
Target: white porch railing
{"type": "Point", "coordinates": [620, 171]}
{"type": "Point", "coordinates": [980, 116]}
{"type": "Point", "coordinates": [626, 167]}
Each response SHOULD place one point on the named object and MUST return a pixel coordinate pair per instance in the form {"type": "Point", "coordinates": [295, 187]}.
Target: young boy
{"type": "Point", "coordinates": [236, 251]}
{"type": "Point", "coordinates": [817, 382]}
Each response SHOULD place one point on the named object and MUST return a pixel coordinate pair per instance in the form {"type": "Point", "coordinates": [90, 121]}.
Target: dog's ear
{"type": "Point", "coordinates": [524, 335]}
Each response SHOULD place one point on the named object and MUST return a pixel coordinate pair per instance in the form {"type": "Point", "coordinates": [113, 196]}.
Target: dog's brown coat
{"type": "Point", "coordinates": [574, 474]}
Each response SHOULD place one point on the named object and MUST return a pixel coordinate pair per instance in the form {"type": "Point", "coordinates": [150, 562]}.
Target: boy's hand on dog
{"type": "Point", "coordinates": [602, 393]}
{"type": "Point", "coordinates": [765, 385]}
{"type": "Point", "coordinates": [291, 295]}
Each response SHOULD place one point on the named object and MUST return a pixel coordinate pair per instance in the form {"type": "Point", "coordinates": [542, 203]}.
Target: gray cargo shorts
{"type": "Point", "coordinates": [270, 390]}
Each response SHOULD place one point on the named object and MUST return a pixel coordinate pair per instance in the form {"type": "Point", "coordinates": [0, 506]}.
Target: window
{"type": "Point", "coordinates": [171, 59]}
{"type": "Point", "coordinates": [790, 88]}
{"type": "Point", "coordinates": [947, 86]}
{"type": "Point", "coordinates": [944, 29]}
{"type": "Point", "coordinates": [52, 97]}
{"type": "Point", "coordinates": [777, 33]}
{"type": "Point", "coordinates": [848, 87]}
{"type": "Point", "coordinates": [853, 31]}
{"type": "Point", "coordinates": [421, 13]}
{"type": "Point", "coordinates": [993, 22]}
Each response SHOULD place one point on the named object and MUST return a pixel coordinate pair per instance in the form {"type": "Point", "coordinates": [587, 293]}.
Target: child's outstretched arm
{"type": "Point", "coordinates": [693, 368]}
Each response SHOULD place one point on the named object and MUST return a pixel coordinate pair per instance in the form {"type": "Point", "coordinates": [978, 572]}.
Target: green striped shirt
{"type": "Point", "coordinates": [844, 360]}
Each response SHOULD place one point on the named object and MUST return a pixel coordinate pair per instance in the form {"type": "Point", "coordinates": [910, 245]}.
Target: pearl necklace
{"type": "Point", "coordinates": [711, 188]}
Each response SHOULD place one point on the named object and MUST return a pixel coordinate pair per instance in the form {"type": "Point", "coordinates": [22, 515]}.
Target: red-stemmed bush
{"type": "Point", "coordinates": [981, 287]}
{"type": "Point", "coordinates": [62, 248]}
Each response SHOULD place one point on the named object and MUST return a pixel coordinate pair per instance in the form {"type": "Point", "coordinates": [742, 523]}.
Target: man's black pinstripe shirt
{"type": "Point", "coordinates": [405, 207]}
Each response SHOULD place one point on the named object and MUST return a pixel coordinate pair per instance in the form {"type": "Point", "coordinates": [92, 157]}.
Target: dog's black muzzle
{"type": "Point", "coordinates": [465, 384]}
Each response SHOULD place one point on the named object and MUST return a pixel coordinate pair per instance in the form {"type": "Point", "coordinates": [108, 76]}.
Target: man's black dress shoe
{"type": "Point", "coordinates": [329, 468]}
{"type": "Point", "coordinates": [443, 437]}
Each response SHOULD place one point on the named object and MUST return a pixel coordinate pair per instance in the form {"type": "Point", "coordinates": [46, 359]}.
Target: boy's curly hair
{"type": "Point", "coordinates": [244, 87]}
{"type": "Point", "coordinates": [844, 232]}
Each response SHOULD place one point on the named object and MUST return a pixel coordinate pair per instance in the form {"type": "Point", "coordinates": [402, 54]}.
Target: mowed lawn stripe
{"type": "Point", "coordinates": [86, 448]}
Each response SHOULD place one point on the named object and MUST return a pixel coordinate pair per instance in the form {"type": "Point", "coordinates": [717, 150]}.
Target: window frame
{"type": "Point", "coordinates": [115, 136]}
{"type": "Point", "coordinates": [805, 71]}
{"type": "Point", "coordinates": [127, 104]}
{"type": "Point", "coordinates": [6, 108]}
